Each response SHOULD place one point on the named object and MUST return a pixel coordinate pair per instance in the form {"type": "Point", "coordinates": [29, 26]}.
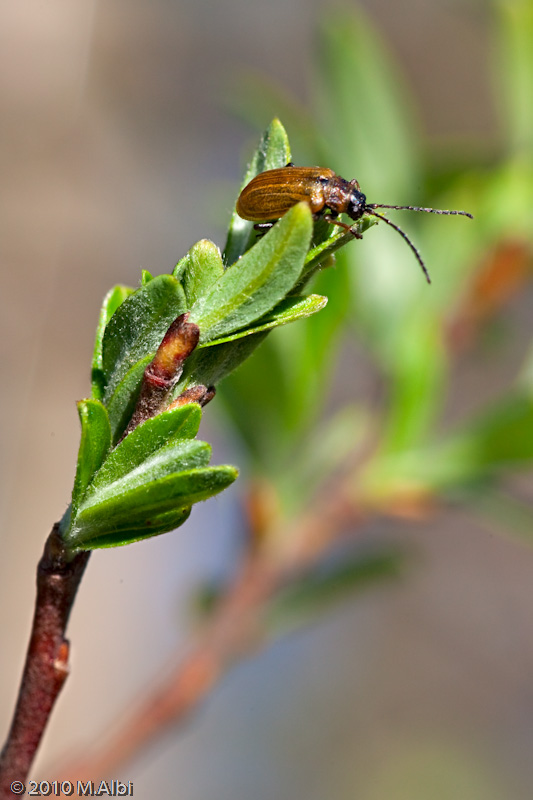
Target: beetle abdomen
{"type": "Point", "coordinates": [271, 194]}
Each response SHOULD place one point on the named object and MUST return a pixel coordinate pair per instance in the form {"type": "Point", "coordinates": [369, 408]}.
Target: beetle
{"type": "Point", "coordinates": [271, 194]}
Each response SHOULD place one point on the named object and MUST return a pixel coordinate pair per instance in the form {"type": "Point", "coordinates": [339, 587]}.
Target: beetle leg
{"type": "Point", "coordinates": [262, 227]}
{"type": "Point", "coordinates": [350, 228]}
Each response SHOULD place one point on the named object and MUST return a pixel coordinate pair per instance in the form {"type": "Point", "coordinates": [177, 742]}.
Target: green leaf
{"type": "Point", "coordinates": [328, 448]}
{"type": "Point", "coordinates": [118, 480]}
{"type": "Point", "coordinates": [121, 403]}
{"type": "Point", "coordinates": [273, 152]}
{"type": "Point", "coordinates": [113, 299]}
{"type": "Point", "coordinates": [259, 390]}
{"type": "Point", "coordinates": [138, 326]}
{"type": "Point", "coordinates": [374, 139]}
{"type": "Point", "coordinates": [159, 523]}
{"type": "Point", "coordinates": [417, 379]}
{"type": "Point", "coordinates": [147, 439]}
{"type": "Point", "coordinates": [288, 310]}
{"type": "Point", "coordinates": [514, 72]}
{"type": "Point", "coordinates": [317, 255]}
{"type": "Point", "coordinates": [315, 592]}
{"type": "Point", "coordinates": [94, 445]}
{"type": "Point", "coordinates": [180, 267]}
{"type": "Point", "coordinates": [494, 442]}
{"type": "Point", "coordinates": [203, 268]}
{"type": "Point", "coordinates": [286, 384]}
{"type": "Point", "coordinates": [365, 108]}
{"type": "Point", "coordinates": [146, 277]}
{"type": "Point", "coordinates": [137, 512]}
{"type": "Point", "coordinates": [209, 365]}
{"type": "Point", "coordinates": [258, 281]}
{"type": "Point", "coordinates": [501, 438]}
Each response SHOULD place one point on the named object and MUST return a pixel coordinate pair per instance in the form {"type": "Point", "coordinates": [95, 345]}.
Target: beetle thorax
{"type": "Point", "coordinates": [342, 197]}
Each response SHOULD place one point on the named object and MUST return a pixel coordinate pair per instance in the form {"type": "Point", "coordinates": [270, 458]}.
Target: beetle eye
{"type": "Point", "coordinates": [357, 201]}
{"type": "Point", "coordinates": [357, 205]}
{"type": "Point", "coordinates": [323, 180]}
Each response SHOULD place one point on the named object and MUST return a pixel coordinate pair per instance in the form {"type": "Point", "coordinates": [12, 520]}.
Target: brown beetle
{"type": "Point", "coordinates": [271, 194]}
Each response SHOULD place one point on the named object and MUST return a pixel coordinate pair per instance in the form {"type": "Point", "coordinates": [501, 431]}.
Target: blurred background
{"type": "Point", "coordinates": [125, 130]}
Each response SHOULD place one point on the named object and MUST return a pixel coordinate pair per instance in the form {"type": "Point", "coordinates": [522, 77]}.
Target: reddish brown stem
{"type": "Point", "coordinates": [164, 370]}
{"type": "Point", "coordinates": [46, 666]}
{"type": "Point", "coordinates": [235, 629]}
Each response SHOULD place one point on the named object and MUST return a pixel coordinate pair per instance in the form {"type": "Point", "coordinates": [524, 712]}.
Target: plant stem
{"type": "Point", "coordinates": [234, 633]}
{"type": "Point", "coordinates": [235, 630]}
{"type": "Point", "coordinates": [46, 667]}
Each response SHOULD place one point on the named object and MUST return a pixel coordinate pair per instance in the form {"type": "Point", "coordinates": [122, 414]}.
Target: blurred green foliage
{"type": "Point", "coordinates": [362, 121]}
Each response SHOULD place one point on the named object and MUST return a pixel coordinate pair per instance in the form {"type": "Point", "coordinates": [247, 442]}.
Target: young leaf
{"type": "Point", "coordinates": [153, 436]}
{"type": "Point", "coordinates": [176, 457]}
{"type": "Point", "coordinates": [288, 310]}
{"type": "Point", "coordinates": [139, 508]}
{"type": "Point", "coordinates": [159, 523]}
{"type": "Point", "coordinates": [94, 445]}
{"type": "Point", "coordinates": [180, 267]}
{"type": "Point", "coordinates": [273, 152]}
{"type": "Point", "coordinates": [138, 326]}
{"type": "Point", "coordinates": [122, 401]}
{"type": "Point", "coordinates": [113, 299]}
{"type": "Point", "coordinates": [258, 281]}
{"type": "Point", "coordinates": [203, 268]}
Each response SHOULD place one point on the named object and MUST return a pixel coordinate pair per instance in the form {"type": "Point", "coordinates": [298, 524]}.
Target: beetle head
{"type": "Point", "coordinates": [356, 204]}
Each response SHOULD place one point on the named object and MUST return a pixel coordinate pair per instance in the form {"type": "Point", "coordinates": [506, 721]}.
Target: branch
{"type": "Point", "coordinates": [46, 667]}
{"type": "Point", "coordinates": [234, 631]}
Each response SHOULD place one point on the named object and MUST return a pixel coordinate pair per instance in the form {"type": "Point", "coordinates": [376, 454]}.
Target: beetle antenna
{"type": "Point", "coordinates": [369, 210]}
{"type": "Point", "coordinates": [419, 208]}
